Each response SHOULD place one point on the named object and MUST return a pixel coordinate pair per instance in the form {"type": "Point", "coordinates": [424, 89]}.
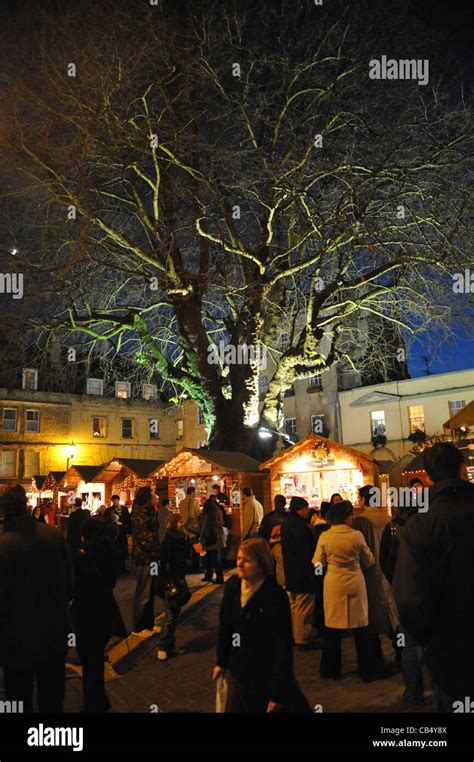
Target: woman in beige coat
{"type": "Point", "coordinates": [343, 550]}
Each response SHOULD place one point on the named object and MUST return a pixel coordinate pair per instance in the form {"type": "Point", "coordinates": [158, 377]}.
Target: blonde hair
{"type": "Point", "coordinates": [259, 550]}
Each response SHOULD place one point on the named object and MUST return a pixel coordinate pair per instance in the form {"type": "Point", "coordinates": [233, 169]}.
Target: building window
{"type": "Point", "coordinates": [9, 418]}
{"type": "Point", "coordinates": [315, 381]}
{"type": "Point", "coordinates": [127, 428]}
{"type": "Point", "coordinates": [29, 379]}
{"type": "Point", "coordinates": [290, 427]}
{"type": "Point", "coordinates": [98, 426]}
{"type": "Point", "coordinates": [32, 421]}
{"type": "Point", "coordinates": [284, 341]}
{"type": "Point", "coordinates": [377, 423]}
{"type": "Point", "coordinates": [455, 406]}
{"type": "Point", "coordinates": [317, 424]}
{"type": "Point", "coordinates": [416, 418]}
{"type": "Point", "coordinates": [179, 429]}
{"type": "Point", "coordinates": [149, 392]}
{"type": "Point", "coordinates": [8, 464]}
{"type": "Point", "coordinates": [95, 386]}
{"type": "Point", "coordinates": [31, 464]}
{"type": "Point", "coordinates": [263, 384]}
{"type": "Point", "coordinates": [154, 429]}
{"type": "Point", "coordinates": [200, 416]}
{"type": "Point", "coordinates": [122, 389]}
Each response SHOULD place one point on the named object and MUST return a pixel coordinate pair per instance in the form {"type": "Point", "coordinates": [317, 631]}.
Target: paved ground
{"type": "Point", "coordinates": [183, 683]}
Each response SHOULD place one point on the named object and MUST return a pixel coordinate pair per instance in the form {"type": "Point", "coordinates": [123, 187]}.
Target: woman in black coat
{"type": "Point", "coordinates": [255, 648]}
{"type": "Point", "coordinates": [174, 553]}
{"type": "Point", "coordinates": [94, 609]}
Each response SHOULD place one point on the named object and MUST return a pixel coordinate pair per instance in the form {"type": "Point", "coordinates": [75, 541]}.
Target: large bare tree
{"type": "Point", "coordinates": [224, 173]}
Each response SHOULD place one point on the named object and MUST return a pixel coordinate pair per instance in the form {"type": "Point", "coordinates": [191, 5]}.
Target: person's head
{"type": "Point", "coordinates": [143, 496]}
{"type": "Point", "coordinates": [103, 513]}
{"type": "Point", "coordinates": [300, 506]}
{"type": "Point", "coordinates": [340, 513]}
{"type": "Point", "coordinates": [336, 498]}
{"type": "Point", "coordinates": [247, 491]}
{"type": "Point", "coordinates": [175, 523]}
{"type": "Point", "coordinates": [325, 506]}
{"type": "Point", "coordinates": [443, 461]}
{"type": "Point", "coordinates": [191, 491]}
{"type": "Point", "coordinates": [77, 503]}
{"type": "Point", "coordinates": [209, 507]}
{"type": "Point", "coordinates": [165, 503]}
{"type": "Point", "coordinates": [365, 493]}
{"type": "Point", "coordinates": [216, 489]}
{"type": "Point", "coordinates": [254, 560]}
{"type": "Point", "coordinates": [92, 531]}
{"type": "Point", "coordinates": [279, 501]}
{"type": "Point", "coordinates": [13, 502]}
{"type": "Point", "coordinates": [115, 501]}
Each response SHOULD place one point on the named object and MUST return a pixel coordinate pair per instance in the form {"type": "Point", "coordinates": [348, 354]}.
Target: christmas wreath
{"type": "Point", "coordinates": [320, 452]}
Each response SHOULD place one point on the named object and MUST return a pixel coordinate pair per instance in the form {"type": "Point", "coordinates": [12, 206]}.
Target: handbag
{"type": "Point", "coordinates": [177, 593]}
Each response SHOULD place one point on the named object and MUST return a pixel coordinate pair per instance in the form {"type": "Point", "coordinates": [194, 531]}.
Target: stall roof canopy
{"type": "Point", "coordinates": [384, 466]}
{"type": "Point", "coordinates": [39, 480]}
{"type": "Point", "coordinates": [57, 475]}
{"type": "Point", "coordinates": [87, 473]}
{"type": "Point", "coordinates": [464, 417]}
{"type": "Point", "coordinates": [226, 461]}
{"type": "Point", "coordinates": [416, 464]}
{"type": "Point", "coordinates": [309, 441]}
{"type": "Point", "coordinates": [141, 468]}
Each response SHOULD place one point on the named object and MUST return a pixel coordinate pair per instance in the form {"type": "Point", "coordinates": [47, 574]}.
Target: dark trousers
{"type": "Point", "coordinates": [168, 628]}
{"type": "Point", "coordinates": [331, 655]}
{"type": "Point", "coordinates": [91, 652]}
{"type": "Point", "coordinates": [143, 600]}
{"type": "Point", "coordinates": [411, 667]}
{"type": "Point", "coordinates": [50, 676]}
{"type": "Point", "coordinates": [213, 562]}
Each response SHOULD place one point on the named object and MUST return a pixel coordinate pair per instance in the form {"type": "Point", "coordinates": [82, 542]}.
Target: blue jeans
{"type": "Point", "coordinates": [168, 628]}
{"type": "Point", "coordinates": [411, 667]}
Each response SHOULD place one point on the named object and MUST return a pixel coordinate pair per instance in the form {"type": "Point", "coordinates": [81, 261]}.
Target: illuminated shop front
{"type": "Point", "coordinates": [315, 468]}
{"type": "Point", "coordinates": [202, 469]}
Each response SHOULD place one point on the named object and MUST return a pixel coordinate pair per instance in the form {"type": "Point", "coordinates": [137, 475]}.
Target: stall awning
{"type": "Point", "coordinates": [415, 465]}
{"type": "Point", "coordinates": [141, 468]}
{"type": "Point", "coordinates": [314, 439]}
{"type": "Point", "coordinates": [39, 480]}
{"type": "Point", "coordinates": [463, 418]}
{"type": "Point", "coordinates": [222, 460]}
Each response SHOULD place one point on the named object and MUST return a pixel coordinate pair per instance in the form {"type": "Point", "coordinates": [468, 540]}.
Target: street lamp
{"type": "Point", "coordinates": [71, 452]}
{"type": "Point", "coordinates": [265, 433]}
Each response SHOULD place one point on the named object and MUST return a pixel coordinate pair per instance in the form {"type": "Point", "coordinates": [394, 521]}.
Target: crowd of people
{"type": "Point", "coordinates": [304, 579]}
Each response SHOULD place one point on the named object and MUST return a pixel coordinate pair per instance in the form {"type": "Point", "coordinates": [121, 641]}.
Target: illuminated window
{"type": "Point", "coordinates": [154, 429]}
{"type": "Point", "coordinates": [127, 428]}
{"type": "Point", "coordinates": [8, 464]}
{"type": "Point", "coordinates": [416, 418]}
{"type": "Point", "coordinates": [290, 427]}
{"type": "Point", "coordinates": [122, 389]}
{"type": "Point", "coordinates": [9, 418]}
{"type": "Point", "coordinates": [455, 406]}
{"type": "Point", "coordinates": [315, 381]}
{"type": "Point", "coordinates": [32, 421]}
{"type": "Point", "coordinates": [377, 423]}
{"type": "Point", "coordinates": [30, 379]}
{"type": "Point", "coordinates": [98, 427]}
{"type": "Point", "coordinates": [200, 417]}
{"type": "Point", "coordinates": [31, 464]}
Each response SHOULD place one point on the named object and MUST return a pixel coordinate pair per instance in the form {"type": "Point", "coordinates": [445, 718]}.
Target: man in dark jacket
{"type": "Point", "coordinates": [74, 524]}
{"type": "Point", "coordinates": [298, 545]}
{"type": "Point", "coordinates": [273, 518]}
{"type": "Point", "coordinates": [434, 572]}
{"type": "Point", "coordinates": [146, 550]}
{"type": "Point", "coordinates": [36, 581]}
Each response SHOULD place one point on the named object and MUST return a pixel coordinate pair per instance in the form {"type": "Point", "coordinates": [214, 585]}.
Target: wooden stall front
{"type": "Point", "coordinates": [461, 426]}
{"type": "Point", "coordinates": [123, 476]}
{"type": "Point", "coordinates": [202, 469]}
{"type": "Point", "coordinates": [315, 468]}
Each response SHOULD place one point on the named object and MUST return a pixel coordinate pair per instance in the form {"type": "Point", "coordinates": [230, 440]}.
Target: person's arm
{"type": "Point", "coordinates": [320, 555]}
{"type": "Point", "coordinates": [247, 520]}
{"type": "Point", "coordinates": [224, 636]}
{"type": "Point", "coordinates": [386, 555]}
{"type": "Point", "coordinates": [366, 556]}
{"type": "Point", "coordinates": [282, 670]}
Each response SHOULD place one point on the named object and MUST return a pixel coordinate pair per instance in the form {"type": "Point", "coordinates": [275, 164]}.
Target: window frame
{"type": "Point", "coordinates": [94, 380]}
{"type": "Point", "coordinates": [15, 410]}
{"type": "Point", "coordinates": [155, 391]}
{"type": "Point", "coordinates": [374, 433]}
{"type": "Point", "coordinates": [103, 427]}
{"type": "Point", "coordinates": [414, 426]}
{"type": "Point", "coordinates": [32, 410]}
{"type": "Point", "coordinates": [35, 376]}
{"type": "Point", "coordinates": [122, 422]}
